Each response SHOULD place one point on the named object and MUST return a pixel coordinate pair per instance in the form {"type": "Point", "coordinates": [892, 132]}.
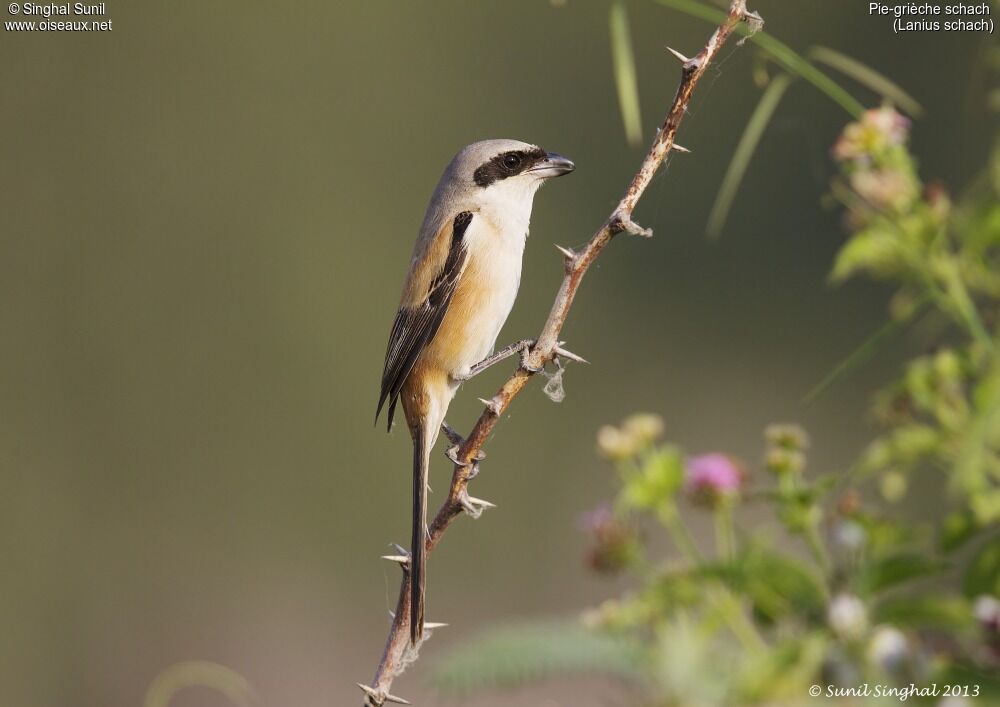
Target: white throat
{"type": "Point", "coordinates": [508, 204]}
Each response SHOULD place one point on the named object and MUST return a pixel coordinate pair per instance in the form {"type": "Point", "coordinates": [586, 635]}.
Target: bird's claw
{"type": "Point", "coordinates": [452, 454]}
{"type": "Point", "coordinates": [525, 358]}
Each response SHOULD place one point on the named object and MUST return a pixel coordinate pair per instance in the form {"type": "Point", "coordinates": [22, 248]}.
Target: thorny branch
{"type": "Point", "coordinates": [398, 652]}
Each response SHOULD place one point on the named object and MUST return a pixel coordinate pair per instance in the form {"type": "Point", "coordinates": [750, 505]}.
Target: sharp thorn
{"type": "Point", "coordinates": [432, 625]}
{"type": "Point", "coordinates": [492, 405]}
{"type": "Point", "coordinates": [680, 148]}
{"type": "Point", "coordinates": [560, 351]}
{"type": "Point", "coordinates": [570, 255]}
{"type": "Point", "coordinates": [680, 57]}
{"type": "Point", "coordinates": [374, 698]}
{"type": "Point", "coordinates": [401, 559]}
{"type": "Point", "coordinates": [400, 549]}
{"type": "Point", "coordinates": [370, 692]}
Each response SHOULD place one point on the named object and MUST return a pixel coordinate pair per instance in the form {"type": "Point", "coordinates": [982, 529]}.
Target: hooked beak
{"type": "Point", "coordinates": [554, 165]}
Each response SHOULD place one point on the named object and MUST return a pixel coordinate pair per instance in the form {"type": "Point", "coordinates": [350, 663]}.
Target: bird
{"type": "Point", "coordinates": [461, 284]}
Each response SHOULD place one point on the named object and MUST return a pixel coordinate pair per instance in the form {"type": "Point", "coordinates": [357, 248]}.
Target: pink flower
{"type": "Point", "coordinates": [713, 477]}
{"type": "Point", "coordinates": [885, 188]}
{"type": "Point", "coordinates": [878, 130]}
{"type": "Point", "coordinates": [893, 127]}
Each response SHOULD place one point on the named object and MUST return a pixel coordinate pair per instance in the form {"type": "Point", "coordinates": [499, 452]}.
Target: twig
{"type": "Point", "coordinates": [398, 652]}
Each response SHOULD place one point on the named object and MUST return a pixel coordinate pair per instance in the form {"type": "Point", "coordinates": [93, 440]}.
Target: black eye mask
{"type": "Point", "coordinates": [507, 164]}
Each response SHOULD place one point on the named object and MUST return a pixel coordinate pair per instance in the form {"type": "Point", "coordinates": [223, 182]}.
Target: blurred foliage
{"type": "Point", "coordinates": [850, 592]}
{"type": "Point", "coordinates": [531, 651]}
{"type": "Point", "coordinates": [944, 411]}
{"type": "Point", "coordinates": [199, 673]}
{"type": "Point", "coordinates": [861, 598]}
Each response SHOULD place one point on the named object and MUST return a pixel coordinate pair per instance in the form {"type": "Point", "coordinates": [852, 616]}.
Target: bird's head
{"type": "Point", "coordinates": [501, 170]}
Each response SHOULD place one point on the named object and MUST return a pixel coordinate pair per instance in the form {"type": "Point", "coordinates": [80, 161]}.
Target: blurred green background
{"type": "Point", "coordinates": [207, 216]}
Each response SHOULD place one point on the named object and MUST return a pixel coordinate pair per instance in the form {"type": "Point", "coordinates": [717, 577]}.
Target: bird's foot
{"type": "Point", "coordinates": [457, 441]}
{"type": "Point", "coordinates": [518, 347]}
{"type": "Point", "coordinates": [526, 360]}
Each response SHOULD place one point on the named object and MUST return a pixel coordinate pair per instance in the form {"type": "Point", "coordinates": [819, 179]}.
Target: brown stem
{"type": "Point", "coordinates": [398, 651]}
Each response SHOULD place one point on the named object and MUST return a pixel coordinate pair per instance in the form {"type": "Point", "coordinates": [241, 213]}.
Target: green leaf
{"type": "Point", "coordinates": [676, 589]}
{"type": "Point", "coordinates": [905, 445]}
{"type": "Point", "coordinates": [867, 76]}
{"type": "Point", "coordinates": [947, 613]}
{"type": "Point", "coordinates": [983, 574]}
{"type": "Point", "coordinates": [515, 655]}
{"type": "Point", "coordinates": [777, 585]}
{"type": "Point", "coordinates": [877, 251]}
{"type": "Point", "coordinates": [657, 481]}
{"type": "Point", "coordinates": [986, 505]}
{"type": "Point", "coordinates": [976, 456]}
{"type": "Point", "coordinates": [744, 152]}
{"type": "Point", "coordinates": [885, 535]}
{"type": "Point", "coordinates": [623, 62]}
{"type": "Point", "coordinates": [957, 528]}
{"type": "Point", "coordinates": [781, 675]}
{"type": "Point", "coordinates": [896, 569]}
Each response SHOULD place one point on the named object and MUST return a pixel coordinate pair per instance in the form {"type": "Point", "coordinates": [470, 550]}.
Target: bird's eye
{"type": "Point", "coordinates": [512, 160]}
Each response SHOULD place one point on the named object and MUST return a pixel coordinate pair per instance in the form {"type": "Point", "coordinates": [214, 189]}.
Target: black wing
{"type": "Point", "coordinates": [414, 327]}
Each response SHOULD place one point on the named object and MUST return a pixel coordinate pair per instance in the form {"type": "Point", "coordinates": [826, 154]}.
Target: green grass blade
{"type": "Point", "coordinates": [623, 63]}
{"type": "Point", "coordinates": [744, 152]}
{"type": "Point", "coordinates": [867, 76]}
{"type": "Point", "coordinates": [199, 673]}
{"type": "Point", "coordinates": [785, 56]}
{"type": "Point", "coordinates": [865, 351]}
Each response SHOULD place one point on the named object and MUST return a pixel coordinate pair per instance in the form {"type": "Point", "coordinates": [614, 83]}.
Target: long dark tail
{"type": "Point", "coordinates": [421, 459]}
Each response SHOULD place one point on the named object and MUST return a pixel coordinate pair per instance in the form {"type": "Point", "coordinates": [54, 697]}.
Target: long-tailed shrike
{"type": "Point", "coordinates": [461, 285]}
